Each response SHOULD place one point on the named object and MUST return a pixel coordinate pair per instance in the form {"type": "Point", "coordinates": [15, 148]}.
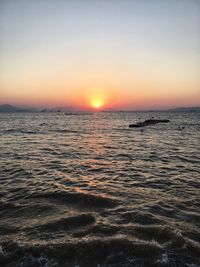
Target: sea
{"type": "Point", "coordinates": [85, 190]}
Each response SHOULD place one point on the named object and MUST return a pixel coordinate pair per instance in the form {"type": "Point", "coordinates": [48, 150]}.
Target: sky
{"type": "Point", "coordinates": [127, 54]}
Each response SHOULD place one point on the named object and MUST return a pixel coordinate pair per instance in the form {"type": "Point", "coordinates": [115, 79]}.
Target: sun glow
{"type": "Point", "coordinates": [98, 97]}
{"type": "Point", "coordinates": [97, 103]}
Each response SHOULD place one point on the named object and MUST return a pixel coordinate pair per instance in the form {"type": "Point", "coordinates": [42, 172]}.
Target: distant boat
{"type": "Point", "coordinates": [147, 122]}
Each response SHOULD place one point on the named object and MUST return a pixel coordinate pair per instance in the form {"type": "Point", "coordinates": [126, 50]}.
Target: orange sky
{"type": "Point", "coordinates": [129, 55]}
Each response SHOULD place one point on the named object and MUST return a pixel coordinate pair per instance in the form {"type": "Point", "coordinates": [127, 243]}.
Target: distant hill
{"type": "Point", "coordinates": [10, 108]}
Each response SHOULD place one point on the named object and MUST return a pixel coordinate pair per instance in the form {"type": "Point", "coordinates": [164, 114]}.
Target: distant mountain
{"type": "Point", "coordinates": [10, 108]}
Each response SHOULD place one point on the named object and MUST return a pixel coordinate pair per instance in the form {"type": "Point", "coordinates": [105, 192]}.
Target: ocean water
{"type": "Point", "coordinates": [85, 190]}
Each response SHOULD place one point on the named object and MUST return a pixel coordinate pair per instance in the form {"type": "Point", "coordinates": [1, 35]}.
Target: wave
{"type": "Point", "coordinates": [81, 199]}
{"type": "Point", "coordinates": [68, 223]}
{"type": "Point", "coordinates": [64, 131]}
{"type": "Point", "coordinates": [143, 218]}
{"type": "Point", "coordinates": [102, 230]}
{"type": "Point", "coordinates": [112, 252]}
{"type": "Point", "coordinates": [21, 131]}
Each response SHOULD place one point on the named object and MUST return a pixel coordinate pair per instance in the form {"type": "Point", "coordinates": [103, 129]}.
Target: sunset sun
{"type": "Point", "coordinates": [97, 103]}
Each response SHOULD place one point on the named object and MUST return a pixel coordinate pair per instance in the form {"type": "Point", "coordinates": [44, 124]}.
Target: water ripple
{"type": "Point", "coordinates": [87, 190]}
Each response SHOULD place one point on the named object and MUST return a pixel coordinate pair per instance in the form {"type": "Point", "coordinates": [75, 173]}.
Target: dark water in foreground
{"type": "Point", "coordinates": [85, 190]}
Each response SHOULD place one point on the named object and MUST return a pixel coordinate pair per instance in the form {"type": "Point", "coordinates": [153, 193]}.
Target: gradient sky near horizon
{"type": "Point", "coordinates": [126, 54]}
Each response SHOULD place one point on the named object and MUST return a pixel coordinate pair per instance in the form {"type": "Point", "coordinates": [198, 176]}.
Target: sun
{"type": "Point", "coordinates": [97, 103]}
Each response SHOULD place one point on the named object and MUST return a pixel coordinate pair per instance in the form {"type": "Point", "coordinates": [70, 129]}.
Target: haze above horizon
{"type": "Point", "coordinates": [100, 54]}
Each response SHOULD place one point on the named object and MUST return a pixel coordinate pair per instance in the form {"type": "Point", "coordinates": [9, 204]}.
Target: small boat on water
{"type": "Point", "coordinates": [147, 122]}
